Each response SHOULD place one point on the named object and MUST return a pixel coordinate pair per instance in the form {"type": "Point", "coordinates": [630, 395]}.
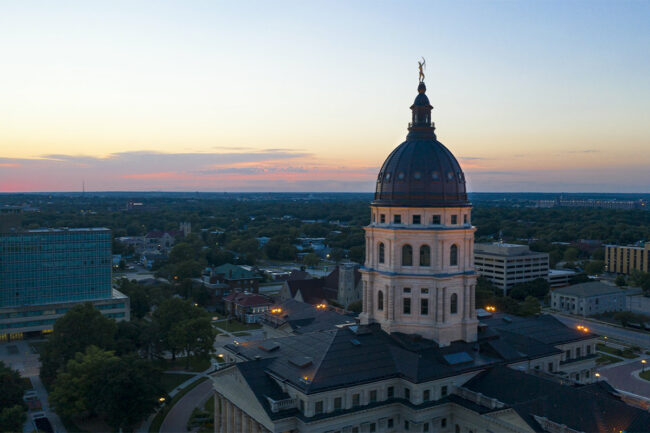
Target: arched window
{"type": "Point", "coordinates": [380, 301]}
{"type": "Point", "coordinates": [382, 252]}
{"type": "Point", "coordinates": [453, 255]}
{"type": "Point", "coordinates": [453, 304]}
{"type": "Point", "coordinates": [425, 255]}
{"type": "Point", "coordinates": [407, 255]}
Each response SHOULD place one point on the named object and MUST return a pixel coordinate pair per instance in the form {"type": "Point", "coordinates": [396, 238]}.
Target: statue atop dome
{"type": "Point", "coordinates": [421, 66]}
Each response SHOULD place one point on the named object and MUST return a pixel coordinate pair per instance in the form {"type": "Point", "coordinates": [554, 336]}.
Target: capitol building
{"type": "Point", "coordinates": [420, 359]}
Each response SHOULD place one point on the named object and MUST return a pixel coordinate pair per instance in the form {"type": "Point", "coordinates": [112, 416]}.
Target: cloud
{"type": "Point", "coordinates": [584, 151]}
{"type": "Point", "coordinates": [473, 158]}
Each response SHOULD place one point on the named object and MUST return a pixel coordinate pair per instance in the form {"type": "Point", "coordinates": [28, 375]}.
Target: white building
{"type": "Point", "coordinates": [508, 264]}
{"type": "Point", "coordinates": [587, 299]}
{"type": "Point", "coordinates": [420, 361]}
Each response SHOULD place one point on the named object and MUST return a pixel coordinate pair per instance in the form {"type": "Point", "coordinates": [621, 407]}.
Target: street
{"type": "Point", "coordinates": [635, 338]}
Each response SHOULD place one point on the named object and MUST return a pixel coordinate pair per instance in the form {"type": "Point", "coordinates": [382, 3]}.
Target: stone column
{"type": "Point", "coordinates": [245, 423]}
{"type": "Point", "coordinates": [391, 302]}
{"type": "Point", "coordinates": [217, 413]}
{"type": "Point", "coordinates": [227, 409]}
{"type": "Point", "coordinates": [238, 417]}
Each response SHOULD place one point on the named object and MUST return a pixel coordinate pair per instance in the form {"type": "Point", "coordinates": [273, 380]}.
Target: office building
{"type": "Point", "coordinates": [508, 264]}
{"type": "Point", "coordinates": [625, 259]}
{"type": "Point", "coordinates": [45, 272]}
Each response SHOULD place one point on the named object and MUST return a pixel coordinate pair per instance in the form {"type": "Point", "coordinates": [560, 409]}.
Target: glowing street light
{"type": "Point", "coordinates": [161, 399]}
{"type": "Point", "coordinates": [643, 362]}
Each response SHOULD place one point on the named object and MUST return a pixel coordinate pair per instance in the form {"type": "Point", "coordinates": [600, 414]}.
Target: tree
{"type": "Point", "coordinates": [96, 382]}
{"type": "Point", "coordinates": [595, 267]}
{"type": "Point", "coordinates": [11, 386]}
{"type": "Point", "coordinates": [73, 389]}
{"type": "Point", "coordinates": [170, 314]}
{"type": "Point", "coordinates": [571, 254]}
{"type": "Point", "coordinates": [12, 418]}
{"type": "Point", "coordinates": [195, 336]}
{"type": "Point", "coordinates": [337, 254]}
{"type": "Point", "coordinates": [355, 306]}
{"type": "Point", "coordinates": [79, 328]}
{"type": "Point", "coordinates": [126, 391]}
{"type": "Point", "coordinates": [529, 307]}
{"type": "Point", "coordinates": [311, 260]}
{"type": "Point", "coordinates": [12, 408]}
{"type": "Point", "coordinates": [620, 280]}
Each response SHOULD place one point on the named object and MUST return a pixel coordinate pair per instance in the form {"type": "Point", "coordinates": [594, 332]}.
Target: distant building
{"type": "Point", "coordinates": [593, 203]}
{"type": "Point", "coordinates": [247, 307]}
{"type": "Point", "coordinates": [237, 278]}
{"type": "Point", "coordinates": [625, 259]}
{"type": "Point", "coordinates": [560, 277]}
{"type": "Point", "coordinates": [342, 285]}
{"type": "Point", "coordinates": [45, 272]}
{"type": "Point", "coordinates": [587, 299]}
{"type": "Point", "coordinates": [508, 264]}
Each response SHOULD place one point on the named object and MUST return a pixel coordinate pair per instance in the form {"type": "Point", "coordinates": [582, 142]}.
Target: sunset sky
{"type": "Point", "coordinates": [312, 96]}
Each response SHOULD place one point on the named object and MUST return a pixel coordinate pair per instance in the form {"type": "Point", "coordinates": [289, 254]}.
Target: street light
{"type": "Point", "coordinates": [597, 374]}
{"type": "Point", "coordinates": [643, 362]}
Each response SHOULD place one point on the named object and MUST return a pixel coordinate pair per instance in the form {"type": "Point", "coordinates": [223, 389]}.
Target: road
{"type": "Point", "coordinates": [631, 337]}
{"type": "Point", "coordinates": [620, 377]}
{"type": "Point", "coordinates": [177, 418]}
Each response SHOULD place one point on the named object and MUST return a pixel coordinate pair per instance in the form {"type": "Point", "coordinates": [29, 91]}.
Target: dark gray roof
{"type": "Point", "coordinates": [341, 358]}
{"type": "Point", "coordinates": [592, 408]}
{"type": "Point", "coordinates": [304, 318]}
{"type": "Point", "coordinates": [583, 290]}
{"type": "Point", "coordinates": [544, 329]}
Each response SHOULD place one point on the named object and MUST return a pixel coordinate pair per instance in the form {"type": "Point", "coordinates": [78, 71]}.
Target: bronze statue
{"type": "Point", "coordinates": [422, 65]}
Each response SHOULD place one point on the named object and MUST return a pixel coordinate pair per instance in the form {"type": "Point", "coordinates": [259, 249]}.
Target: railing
{"type": "Point", "coordinates": [278, 405]}
{"type": "Point", "coordinates": [552, 426]}
{"type": "Point", "coordinates": [421, 124]}
{"type": "Point", "coordinates": [478, 398]}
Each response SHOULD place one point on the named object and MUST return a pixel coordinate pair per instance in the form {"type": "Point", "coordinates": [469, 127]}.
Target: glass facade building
{"type": "Point", "coordinates": [48, 266]}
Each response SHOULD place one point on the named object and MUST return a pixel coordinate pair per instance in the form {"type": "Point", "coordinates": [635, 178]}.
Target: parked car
{"type": "Point", "coordinates": [42, 423]}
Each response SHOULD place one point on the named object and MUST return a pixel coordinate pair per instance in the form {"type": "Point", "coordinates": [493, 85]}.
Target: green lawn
{"type": "Point", "coordinates": [645, 375]}
{"type": "Point", "coordinates": [235, 326]}
{"type": "Point", "coordinates": [170, 381]}
{"type": "Point", "coordinates": [627, 353]}
{"type": "Point", "coordinates": [606, 359]}
{"type": "Point", "coordinates": [196, 364]}
{"type": "Point", "coordinates": [160, 416]}
{"type": "Point", "coordinates": [241, 334]}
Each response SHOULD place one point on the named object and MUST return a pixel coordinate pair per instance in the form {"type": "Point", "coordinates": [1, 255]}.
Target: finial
{"type": "Point", "coordinates": [421, 66]}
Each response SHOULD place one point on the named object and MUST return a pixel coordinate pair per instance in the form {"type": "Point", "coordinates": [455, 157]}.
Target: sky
{"type": "Point", "coordinates": [546, 96]}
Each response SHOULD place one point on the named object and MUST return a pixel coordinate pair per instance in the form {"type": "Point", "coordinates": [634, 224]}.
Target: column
{"type": "Point", "coordinates": [238, 416]}
{"type": "Point", "coordinates": [391, 302]}
{"type": "Point", "coordinates": [245, 423]}
{"type": "Point", "coordinates": [217, 413]}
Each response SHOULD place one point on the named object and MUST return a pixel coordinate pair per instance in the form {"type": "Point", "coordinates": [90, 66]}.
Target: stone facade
{"type": "Point", "coordinates": [419, 276]}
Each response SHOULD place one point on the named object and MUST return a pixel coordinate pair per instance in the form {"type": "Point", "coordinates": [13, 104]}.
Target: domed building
{"type": "Point", "coordinates": [419, 361]}
{"type": "Point", "coordinates": [418, 277]}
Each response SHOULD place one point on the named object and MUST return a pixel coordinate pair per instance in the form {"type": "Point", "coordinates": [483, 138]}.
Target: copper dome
{"type": "Point", "coordinates": [421, 172]}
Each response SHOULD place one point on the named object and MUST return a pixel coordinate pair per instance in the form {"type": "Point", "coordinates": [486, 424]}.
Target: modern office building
{"type": "Point", "coordinates": [587, 299]}
{"type": "Point", "coordinates": [560, 277]}
{"type": "Point", "coordinates": [420, 360]}
{"type": "Point", "coordinates": [625, 259]}
{"type": "Point", "coordinates": [508, 264]}
{"type": "Point", "coordinates": [45, 272]}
